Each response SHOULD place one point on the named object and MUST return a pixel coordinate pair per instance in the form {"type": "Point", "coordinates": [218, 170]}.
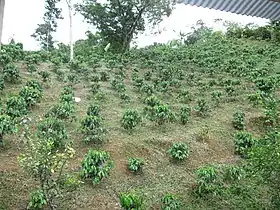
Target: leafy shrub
{"type": "Point", "coordinates": [255, 98]}
{"type": "Point", "coordinates": [135, 164]}
{"type": "Point", "coordinates": [131, 201]}
{"type": "Point", "coordinates": [202, 107]}
{"type": "Point", "coordinates": [16, 106]}
{"type": "Point", "coordinates": [131, 118]}
{"type": "Point", "coordinates": [147, 89]}
{"type": "Point", "coordinates": [11, 73]}
{"type": "Point", "coordinates": [93, 110]}
{"type": "Point", "coordinates": [61, 111]}
{"type": "Point", "coordinates": [34, 84]}
{"type": "Point", "coordinates": [30, 95]}
{"type": "Point", "coordinates": [207, 181]}
{"type": "Point", "coordinates": [170, 202]}
{"type": "Point", "coordinates": [7, 126]}
{"type": "Point", "coordinates": [125, 98]}
{"type": "Point", "coordinates": [37, 200]}
{"type": "Point", "coordinates": [94, 88]}
{"type": "Point", "coordinates": [243, 142]}
{"type": "Point", "coordinates": [239, 120]}
{"type": "Point", "coordinates": [179, 151]}
{"type": "Point", "coordinates": [232, 173]}
{"type": "Point", "coordinates": [32, 59]}
{"type": "Point", "coordinates": [163, 114]}
{"type": "Point", "coordinates": [185, 113]}
{"type": "Point", "coordinates": [73, 78]}
{"type": "Point", "coordinates": [53, 130]}
{"type": "Point", "coordinates": [148, 75]}
{"type": "Point", "coordinates": [96, 166]}
{"type": "Point", "coordinates": [93, 128]}
{"type": "Point", "coordinates": [31, 68]}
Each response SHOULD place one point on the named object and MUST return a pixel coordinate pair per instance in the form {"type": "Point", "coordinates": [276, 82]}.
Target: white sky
{"type": "Point", "coordinates": [21, 19]}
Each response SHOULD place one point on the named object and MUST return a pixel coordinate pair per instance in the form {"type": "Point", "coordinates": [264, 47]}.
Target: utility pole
{"type": "Point", "coordinates": [2, 6]}
{"type": "Point", "coordinates": [70, 10]}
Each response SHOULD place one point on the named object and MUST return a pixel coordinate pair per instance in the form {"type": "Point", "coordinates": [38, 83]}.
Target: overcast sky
{"type": "Point", "coordinates": [21, 18]}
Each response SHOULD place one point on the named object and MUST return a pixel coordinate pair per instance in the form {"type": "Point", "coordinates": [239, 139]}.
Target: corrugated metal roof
{"type": "Point", "coordinates": [269, 9]}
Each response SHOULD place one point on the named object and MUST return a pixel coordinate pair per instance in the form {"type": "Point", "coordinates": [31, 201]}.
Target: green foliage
{"type": "Point", "coordinates": [11, 73]}
{"type": "Point", "coordinates": [233, 173]}
{"type": "Point", "coordinates": [125, 98]}
{"type": "Point", "coordinates": [238, 121]}
{"type": "Point", "coordinates": [163, 114]}
{"type": "Point", "coordinates": [31, 68]}
{"type": "Point", "coordinates": [61, 111]}
{"type": "Point", "coordinates": [202, 108]}
{"type": "Point", "coordinates": [216, 96]}
{"type": "Point", "coordinates": [7, 126]}
{"type": "Point", "coordinates": [96, 166]}
{"type": "Point", "coordinates": [37, 200]}
{"type": "Point", "coordinates": [207, 181]}
{"type": "Point", "coordinates": [179, 151]}
{"type": "Point", "coordinates": [131, 201]}
{"type": "Point", "coordinates": [243, 142]}
{"type": "Point", "coordinates": [93, 110]}
{"type": "Point", "coordinates": [53, 130]}
{"type": "Point", "coordinates": [45, 75]}
{"type": "Point", "coordinates": [31, 95]}
{"type": "Point", "coordinates": [16, 106]}
{"type": "Point", "coordinates": [131, 118]}
{"type": "Point", "coordinates": [185, 113]}
{"type": "Point", "coordinates": [113, 19]}
{"type": "Point", "coordinates": [135, 164]}
{"type": "Point", "coordinates": [104, 76]}
{"type": "Point", "coordinates": [93, 129]}
{"type": "Point", "coordinates": [170, 202]}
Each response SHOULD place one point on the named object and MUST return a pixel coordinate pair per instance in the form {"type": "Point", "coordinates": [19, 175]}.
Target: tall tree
{"type": "Point", "coordinates": [119, 21]}
{"type": "Point", "coordinates": [43, 33]}
{"type": "Point", "coordinates": [2, 7]}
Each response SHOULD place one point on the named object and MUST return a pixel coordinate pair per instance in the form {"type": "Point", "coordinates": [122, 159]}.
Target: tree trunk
{"type": "Point", "coordinates": [70, 9]}
{"type": "Point", "coordinates": [2, 6]}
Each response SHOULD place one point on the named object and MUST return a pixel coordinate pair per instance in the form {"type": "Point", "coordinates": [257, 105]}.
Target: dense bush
{"type": "Point", "coordinates": [238, 121]}
{"type": "Point", "coordinates": [243, 142]}
{"type": "Point", "coordinates": [170, 202]}
{"type": "Point", "coordinates": [135, 164]}
{"type": "Point", "coordinates": [11, 73]}
{"type": "Point", "coordinates": [131, 201]}
{"type": "Point", "coordinates": [131, 118]}
{"type": "Point", "coordinates": [185, 113]}
{"type": "Point", "coordinates": [30, 95]}
{"type": "Point", "coordinates": [37, 200]}
{"type": "Point", "coordinates": [53, 130]}
{"type": "Point", "coordinates": [96, 166]}
{"type": "Point", "coordinates": [7, 126]}
{"type": "Point", "coordinates": [179, 151]}
{"type": "Point", "coordinates": [16, 106]}
{"type": "Point", "coordinates": [202, 108]}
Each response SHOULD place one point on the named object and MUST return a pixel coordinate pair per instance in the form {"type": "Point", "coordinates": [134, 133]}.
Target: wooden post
{"type": "Point", "coordinates": [2, 6]}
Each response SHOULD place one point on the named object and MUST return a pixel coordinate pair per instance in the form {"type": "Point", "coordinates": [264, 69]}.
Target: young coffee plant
{"type": "Point", "coordinates": [31, 95]}
{"type": "Point", "coordinates": [96, 166]}
{"type": "Point", "coordinates": [207, 181]}
{"type": "Point", "coordinates": [61, 111]}
{"type": "Point", "coordinates": [16, 106]}
{"type": "Point", "coordinates": [11, 73]}
{"type": "Point", "coordinates": [104, 76]}
{"type": "Point", "coordinates": [131, 201]}
{"type": "Point", "coordinates": [202, 108]}
{"type": "Point", "coordinates": [185, 113]}
{"type": "Point", "coordinates": [37, 200]}
{"type": "Point", "coordinates": [232, 173]}
{"type": "Point", "coordinates": [125, 98]}
{"type": "Point", "coordinates": [54, 130]}
{"type": "Point", "coordinates": [73, 79]}
{"type": "Point", "coordinates": [170, 202]}
{"type": "Point", "coordinates": [93, 128]}
{"type": "Point", "coordinates": [135, 164]}
{"type": "Point", "coordinates": [163, 114]}
{"type": "Point", "coordinates": [94, 88]}
{"type": "Point", "coordinates": [93, 110]}
{"type": "Point", "coordinates": [184, 96]}
{"type": "Point", "coordinates": [216, 96]}
{"type": "Point", "coordinates": [131, 118]}
{"type": "Point", "coordinates": [179, 151]}
{"type": "Point", "coordinates": [238, 121]}
{"type": "Point", "coordinates": [243, 141]}
{"type": "Point", "coordinates": [7, 126]}
{"type": "Point", "coordinates": [31, 68]}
